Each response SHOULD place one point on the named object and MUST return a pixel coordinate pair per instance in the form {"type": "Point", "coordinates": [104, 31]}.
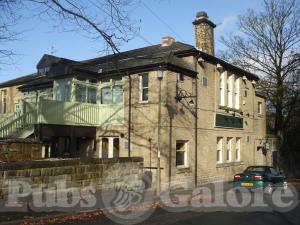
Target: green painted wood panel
{"type": "Point", "coordinates": [74, 113]}
{"type": "Point", "coordinates": [228, 121]}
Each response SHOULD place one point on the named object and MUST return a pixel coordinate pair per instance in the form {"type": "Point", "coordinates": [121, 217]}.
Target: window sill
{"type": "Point", "coordinates": [230, 109]}
{"type": "Point", "coordinates": [183, 168]}
{"type": "Point", "coordinates": [232, 128]}
{"type": "Point", "coordinates": [143, 102]}
{"type": "Point", "coordinates": [229, 164]}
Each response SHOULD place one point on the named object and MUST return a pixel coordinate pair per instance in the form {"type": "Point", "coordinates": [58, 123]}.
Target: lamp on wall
{"type": "Point", "coordinates": [200, 60]}
{"type": "Point", "coordinates": [188, 98]}
{"type": "Point", "coordinates": [219, 67]}
{"type": "Point", "coordinates": [160, 73]}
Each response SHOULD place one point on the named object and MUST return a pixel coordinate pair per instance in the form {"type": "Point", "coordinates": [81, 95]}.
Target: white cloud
{"type": "Point", "coordinates": [228, 24]}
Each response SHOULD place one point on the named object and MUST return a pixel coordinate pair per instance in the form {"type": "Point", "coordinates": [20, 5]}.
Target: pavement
{"type": "Point", "coordinates": [157, 213]}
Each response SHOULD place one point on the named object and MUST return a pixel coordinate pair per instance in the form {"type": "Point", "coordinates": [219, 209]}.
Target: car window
{"type": "Point", "coordinates": [273, 171]}
{"type": "Point", "coordinates": [255, 169]}
{"type": "Point", "coordinates": [268, 171]}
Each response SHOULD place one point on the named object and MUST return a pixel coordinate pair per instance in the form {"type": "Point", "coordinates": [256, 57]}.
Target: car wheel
{"type": "Point", "coordinates": [268, 189]}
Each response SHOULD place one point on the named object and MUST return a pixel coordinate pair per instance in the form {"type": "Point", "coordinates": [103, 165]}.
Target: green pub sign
{"type": "Point", "coordinates": [228, 121]}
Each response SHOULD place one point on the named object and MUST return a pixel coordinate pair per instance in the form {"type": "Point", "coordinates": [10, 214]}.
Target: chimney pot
{"type": "Point", "coordinates": [201, 14]}
{"type": "Point", "coordinates": [204, 30]}
{"type": "Point", "coordinates": [167, 41]}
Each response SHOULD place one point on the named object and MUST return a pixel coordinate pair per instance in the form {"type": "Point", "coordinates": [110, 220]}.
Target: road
{"type": "Point", "coordinates": [161, 216]}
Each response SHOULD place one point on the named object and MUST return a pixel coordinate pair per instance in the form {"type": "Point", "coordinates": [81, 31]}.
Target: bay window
{"type": "Point", "coordinates": [117, 94]}
{"type": "Point", "coordinates": [63, 90]}
{"type": "Point", "coordinates": [112, 94]}
{"type": "Point", "coordinates": [85, 94]}
{"type": "Point", "coordinates": [80, 93]}
{"type": "Point", "coordinates": [106, 95]}
{"type": "Point", "coordinates": [109, 91]}
{"type": "Point", "coordinates": [91, 95]}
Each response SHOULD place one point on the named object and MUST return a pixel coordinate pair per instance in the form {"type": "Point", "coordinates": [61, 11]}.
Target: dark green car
{"type": "Point", "coordinates": [265, 177]}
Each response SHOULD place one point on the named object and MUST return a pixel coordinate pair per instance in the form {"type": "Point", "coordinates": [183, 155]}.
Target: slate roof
{"type": "Point", "coordinates": [146, 57]}
{"type": "Point", "coordinates": [20, 80]}
{"type": "Point", "coordinates": [49, 59]}
{"type": "Point", "coordinates": [40, 83]}
{"type": "Point", "coordinates": [146, 52]}
{"type": "Point", "coordinates": [153, 54]}
{"type": "Point", "coordinates": [228, 66]}
{"type": "Point", "coordinates": [134, 62]}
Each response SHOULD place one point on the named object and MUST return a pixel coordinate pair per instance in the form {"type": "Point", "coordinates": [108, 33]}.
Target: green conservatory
{"type": "Point", "coordinates": [84, 102]}
{"type": "Point", "coordinates": [71, 101]}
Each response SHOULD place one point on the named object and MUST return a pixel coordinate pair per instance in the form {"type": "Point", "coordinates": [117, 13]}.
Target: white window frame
{"type": "Point", "coordinates": [219, 149]}
{"type": "Point", "coordinates": [44, 70]}
{"type": "Point", "coordinates": [229, 149]}
{"type": "Point", "coordinates": [230, 91]}
{"type": "Point", "coordinates": [65, 87]}
{"type": "Point", "coordinates": [180, 75]}
{"type": "Point", "coordinates": [86, 85]}
{"type": "Point", "coordinates": [185, 153]}
{"type": "Point", "coordinates": [3, 100]}
{"type": "Point", "coordinates": [16, 106]}
{"type": "Point", "coordinates": [110, 146]}
{"type": "Point", "coordinates": [111, 84]}
{"type": "Point", "coordinates": [222, 89]}
{"type": "Point", "coordinates": [237, 94]}
{"type": "Point", "coordinates": [259, 108]}
{"type": "Point", "coordinates": [238, 149]}
{"type": "Point", "coordinates": [142, 88]}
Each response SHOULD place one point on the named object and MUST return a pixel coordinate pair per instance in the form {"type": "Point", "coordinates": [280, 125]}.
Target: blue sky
{"type": "Point", "coordinates": [40, 37]}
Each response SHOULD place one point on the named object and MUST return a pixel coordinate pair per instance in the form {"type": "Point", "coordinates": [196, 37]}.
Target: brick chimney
{"type": "Point", "coordinates": [204, 30]}
{"type": "Point", "coordinates": [167, 41]}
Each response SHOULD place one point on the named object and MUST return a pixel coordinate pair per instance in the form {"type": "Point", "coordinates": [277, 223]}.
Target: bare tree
{"type": "Point", "coordinates": [268, 44]}
{"type": "Point", "coordinates": [8, 18]}
{"type": "Point", "coordinates": [106, 20]}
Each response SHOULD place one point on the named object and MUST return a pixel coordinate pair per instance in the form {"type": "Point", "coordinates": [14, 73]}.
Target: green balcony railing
{"type": "Point", "coordinates": [62, 113]}
{"type": "Point", "coordinates": [17, 122]}
{"type": "Point", "coordinates": [75, 113]}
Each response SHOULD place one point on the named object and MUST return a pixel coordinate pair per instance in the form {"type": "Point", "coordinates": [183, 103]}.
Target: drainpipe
{"type": "Point", "coordinates": [129, 116]}
{"type": "Point", "coordinates": [150, 151]}
{"type": "Point", "coordinates": [196, 127]}
{"type": "Point", "coordinates": [159, 77]}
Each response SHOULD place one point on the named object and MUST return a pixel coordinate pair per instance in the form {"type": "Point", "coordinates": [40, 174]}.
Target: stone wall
{"type": "Point", "coordinates": [20, 150]}
{"type": "Point", "coordinates": [76, 172]}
